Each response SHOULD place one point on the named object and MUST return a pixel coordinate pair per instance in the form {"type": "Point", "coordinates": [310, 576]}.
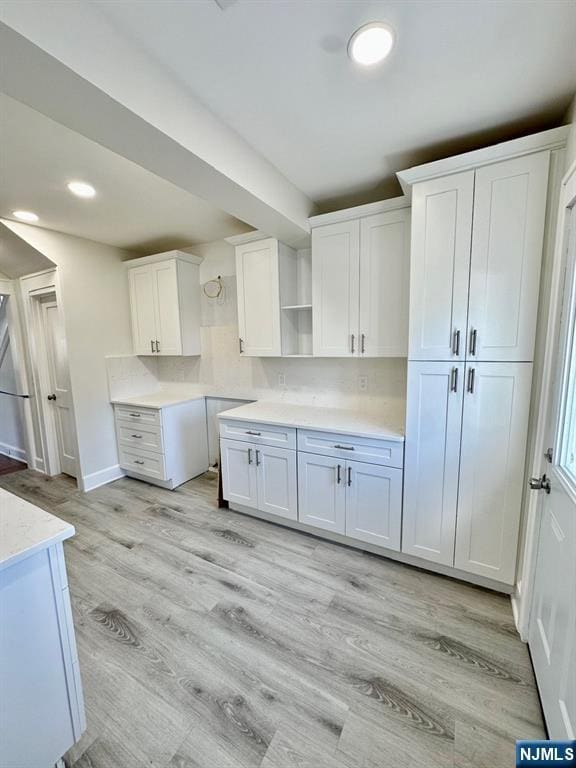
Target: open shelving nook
{"type": "Point", "coordinates": [296, 303]}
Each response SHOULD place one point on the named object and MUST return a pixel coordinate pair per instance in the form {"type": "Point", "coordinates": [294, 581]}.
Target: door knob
{"type": "Point", "coordinates": [540, 484]}
{"type": "Point", "coordinates": [51, 397]}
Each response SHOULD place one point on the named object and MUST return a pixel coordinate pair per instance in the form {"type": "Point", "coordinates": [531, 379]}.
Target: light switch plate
{"type": "Point", "coordinates": [281, 380]}
{"type": "Point", "coordinates": [362, 383]}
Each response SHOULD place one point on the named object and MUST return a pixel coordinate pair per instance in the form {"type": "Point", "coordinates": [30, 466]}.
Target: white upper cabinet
{"type": "Point", "coordinates": [384, 284]}
{"type": "Point", "coordinates": [440, 264]}
{"type": "Point", "coordinates": [509, 213]}
{"type": "Point", "coordinates": [360, 276]}
{"type": "Point", "coordinates": [433, 429]}
{"type": "Point", "coordinates": [165, 304]}
{"type": "Point", "coordinates": [258, 284]}
{"type": "Point", "coordinates": [335, 282]}
{"type": "Point", "coordinates": [494, 430]}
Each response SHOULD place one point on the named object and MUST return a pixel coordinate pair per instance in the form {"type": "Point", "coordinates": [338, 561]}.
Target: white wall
{"type": "Point", "coordinates": [94, 296]}
{"type": "Point", "coordinates": [12, 437]}
{"type": "Point", "coordinates": [571, 145]}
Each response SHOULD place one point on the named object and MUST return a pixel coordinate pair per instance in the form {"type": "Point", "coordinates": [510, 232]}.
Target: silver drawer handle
{"type": "Point", "coordinates": [344, 447]}
{"type": "Point", "coordinates": [136, 415]}
{"type": "Point", "coordinates": [138, 461]}
{"type": "Point", "coordinates": [137, 436]}
{"type": "Point", "coordinates": [257, 434]}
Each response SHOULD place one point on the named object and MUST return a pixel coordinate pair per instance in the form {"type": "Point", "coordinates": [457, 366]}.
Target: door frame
{"type": "Point", "coordinates": [35, 289]}
{"type": "Point", "coordinates": [522, 603]}
{"type": "Point", "coordinates": [9, 288]}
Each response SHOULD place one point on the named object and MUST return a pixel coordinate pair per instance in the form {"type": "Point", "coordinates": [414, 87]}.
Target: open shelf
{"type": "Point", "coordinates": [296, 304]}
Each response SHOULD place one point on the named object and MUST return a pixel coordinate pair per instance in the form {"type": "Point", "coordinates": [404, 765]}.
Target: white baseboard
{"type": "Point", "coordinates": [13, 452]}
{"type": "Point", "coordinates": [96, 479]}
{"type": "Point", "coordinates": [516, 600]}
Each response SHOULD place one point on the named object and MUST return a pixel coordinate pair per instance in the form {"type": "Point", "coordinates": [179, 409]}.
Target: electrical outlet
{"type": "Point", "coordinates": [362, 383]}
{"type": "Point", "coordinates": [281, 380]}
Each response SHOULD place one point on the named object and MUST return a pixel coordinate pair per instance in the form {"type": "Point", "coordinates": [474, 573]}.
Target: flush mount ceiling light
{"type": "Point", "coordinates": [27, 216]}
{"type": "Point", "coordinates": [81, 189]}
{"type": "Point", "coordinates": [371, 43]}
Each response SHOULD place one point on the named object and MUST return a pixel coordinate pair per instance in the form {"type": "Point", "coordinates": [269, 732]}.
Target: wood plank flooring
{"type": "Point", "coordinates": [9, 465]}
{"type": "Point", "coordinates": [209, 639]}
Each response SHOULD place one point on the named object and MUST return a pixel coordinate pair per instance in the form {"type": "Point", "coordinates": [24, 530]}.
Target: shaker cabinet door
{"type": "Point", "coordinates": [508, 234]}
{"type": "Point", "coordinates": [432, 458]}
{"type": "Point", "coordinates": [439, 267]}
{"type": "Point", "coordinates": [335, 275]}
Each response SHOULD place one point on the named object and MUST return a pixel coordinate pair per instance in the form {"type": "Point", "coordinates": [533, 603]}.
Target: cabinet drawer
{"type": "Point", "coordinates": [143, 462]}
{"type": "Point", "coordinates": [137, 415]}
{"type": "Point", "coordinates": [389, 453]}
{"type": "Point", "coordinates": [140, 436]}
{"type": "Point", "coordinates": [262, 434]}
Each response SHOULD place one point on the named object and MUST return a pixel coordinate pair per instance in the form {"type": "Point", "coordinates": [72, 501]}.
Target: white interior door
{"type": "Point", "coordinates": [60, 395]}
{"type": "Point", "coordinates": [432, 459]}
{"type": "Point", "coordinates": [257, 274]}
{"type": "Point", "coordinates": [384, 284]}
{"type": "Point", "coordinates": [374, 504]}
{"type": "Point", "coordinates": [552, 630]}
{"type": "Point", "coordinates": [321, 492]}
{"type": "Point", "coordinates": [335, 279]}
{"type": "Point", "coordinates": [493, 455]}
{"type": "Point", "coordinates": [509, 213]}
{"type": "Point", "coordinates": [168, 339]}
{"type": "Point", "coordinates": [142, 300]}
{"type": "Point", "coordinates": [440, 266]}
{"type": "Point", "coordinates": [277, 481]}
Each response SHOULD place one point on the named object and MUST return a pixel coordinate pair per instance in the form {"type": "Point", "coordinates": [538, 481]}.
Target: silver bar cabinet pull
{"type": "Point", "coordinates": [363, 343]}
{"type": "Point", "coordinates": [137, 461]}
{"type": "Point", "coordinates": [471, 376]}
{"type": "Point", "coordinates": [352, 337]}
{"type": "Point", "coordinates": [157, 346]}
{"type": "Point", "coordinates": [339, 474]}
{"type": "Point", "coordinates": [241, 345]}
{"type": "Point", "coordinates": [349, 475]}
{"type": "Point", "coordinates": [136, 436]}
{"type": "Point", "coordinates": [249, 455]}
{"type": "Point", "coordinates": [249, 432]}
{"type": "Point", "coordinates": [456, 343]}
{"type": "Point", "coordinates": [152, 346]}
{"type": "Point", "coordinates": [136, 415]}
{"type": "Point", "coordinates": [472, 346]}
{"type": "Point", "coordinates": [454, 380]}
{"type": "Point", "coordinates": [257, 457]}
{"type": "Point", "coordinates": [344, 447]}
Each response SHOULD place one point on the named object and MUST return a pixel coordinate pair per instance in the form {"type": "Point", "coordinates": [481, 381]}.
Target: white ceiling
{"type": "Point", "coordinates": [134, 209]}
{"type": "Point", "coordinates": [462, 74]}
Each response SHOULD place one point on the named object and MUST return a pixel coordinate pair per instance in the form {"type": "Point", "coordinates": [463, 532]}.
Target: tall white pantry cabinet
{"type": "Point", "coordinates": [477, 238]}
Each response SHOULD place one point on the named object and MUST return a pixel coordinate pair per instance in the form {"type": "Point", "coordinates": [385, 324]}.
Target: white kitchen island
{"type": "Point", "coordinates": [41, 702]}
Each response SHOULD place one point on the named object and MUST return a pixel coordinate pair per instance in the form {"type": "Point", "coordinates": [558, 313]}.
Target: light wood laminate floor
{"type": "Point", "coordinates": [209, 639]}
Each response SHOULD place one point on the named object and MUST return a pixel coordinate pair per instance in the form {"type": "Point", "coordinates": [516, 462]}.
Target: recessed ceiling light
{"type": "Point", "coordinates": [371, 43]}
{"type": "Point", "coordinates": [81, 189]}
{"type": "Point", "coordinates": [25, 216]}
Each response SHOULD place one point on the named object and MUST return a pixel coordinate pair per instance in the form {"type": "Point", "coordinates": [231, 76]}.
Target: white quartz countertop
{"type": "Point", "coordinates": [26, 529]}
{"type": "Point", "coordinates": [382, 426]}
{"type": "Point", "coordinates": [158, 399]}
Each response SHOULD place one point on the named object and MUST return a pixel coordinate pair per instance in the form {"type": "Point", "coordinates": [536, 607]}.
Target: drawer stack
{"type": "Point", "coordinates": [140, 441]}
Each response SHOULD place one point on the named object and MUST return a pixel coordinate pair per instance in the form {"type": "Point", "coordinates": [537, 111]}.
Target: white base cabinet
{"type": "Point", "coordinates": [259, 476]}
{"type": "Point", "coordinates": [466, 434]}
{"type": "Point", "coordinates": [166, 446]}
{"type": "Point", "coordinates": [363, 501]}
